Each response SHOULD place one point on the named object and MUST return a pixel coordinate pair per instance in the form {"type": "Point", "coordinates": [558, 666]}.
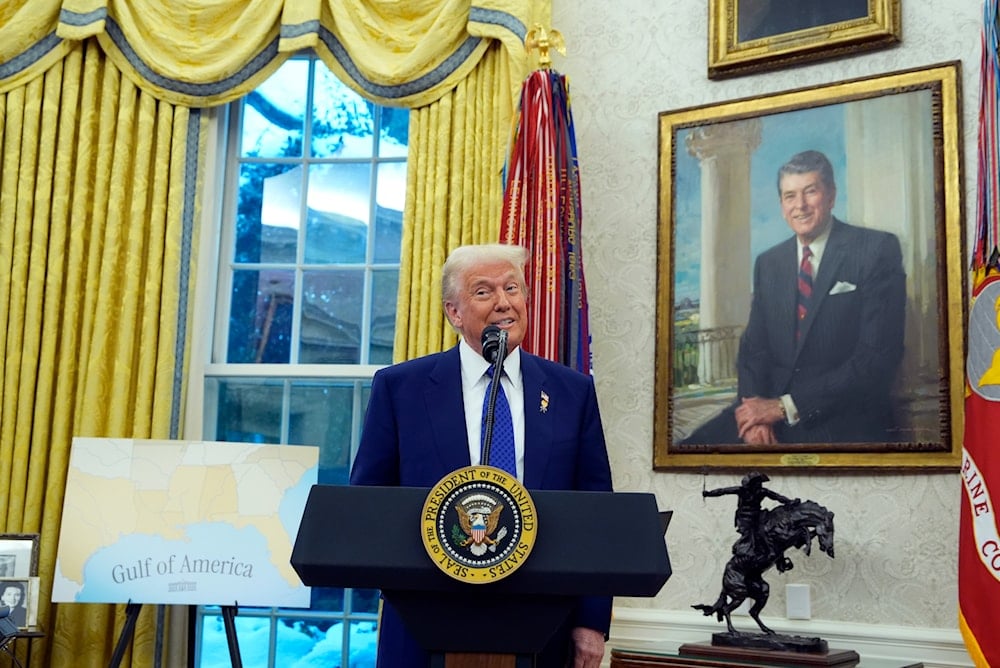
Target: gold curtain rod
{"type": "Point", "coordinates": [539, 38]}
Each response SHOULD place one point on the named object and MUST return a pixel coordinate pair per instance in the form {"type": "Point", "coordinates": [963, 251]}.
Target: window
{"type": "Point", "coordinates": [304, 314]}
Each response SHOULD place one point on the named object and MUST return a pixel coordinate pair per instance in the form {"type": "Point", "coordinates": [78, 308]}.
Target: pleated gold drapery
{"type": "Point", "coordinates": [101, 119]}
{"type": "Point", "coordinates": [454, 177]}
{"type": "Point", "coordinates": [95, 248]}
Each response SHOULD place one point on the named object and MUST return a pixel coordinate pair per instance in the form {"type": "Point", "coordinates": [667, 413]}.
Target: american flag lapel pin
{"type": "Point", "coordinates": [545, 403]}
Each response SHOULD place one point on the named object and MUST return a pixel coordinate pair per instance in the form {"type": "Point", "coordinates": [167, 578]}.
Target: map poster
{"type": "Point", "coordinates": [183, 522]}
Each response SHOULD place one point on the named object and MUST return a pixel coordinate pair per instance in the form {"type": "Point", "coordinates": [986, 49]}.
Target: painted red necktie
{"type": "Point", "coordinates": [805, 288]}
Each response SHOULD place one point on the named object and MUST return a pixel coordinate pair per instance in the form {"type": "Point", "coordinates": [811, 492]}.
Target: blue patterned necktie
{"type": "Point", "coordinates": [502, 446]}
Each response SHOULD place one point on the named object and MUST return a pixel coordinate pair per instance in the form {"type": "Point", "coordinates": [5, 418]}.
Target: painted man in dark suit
{"type": "Point", "coordinates": [822, 372]}
{"type": "Point", "coordinates": [424, 417]}
{"type": "Point", "coordinates": [768, 18]}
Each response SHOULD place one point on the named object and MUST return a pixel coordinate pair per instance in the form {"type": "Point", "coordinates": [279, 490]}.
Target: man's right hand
{"type": "Point", "coordinates": [757, 411]}
{"type": "Point", "coordinates": [761, 434]}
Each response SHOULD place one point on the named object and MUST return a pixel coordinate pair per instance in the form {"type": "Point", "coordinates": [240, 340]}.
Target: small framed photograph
{"type": "Point", "coordinates": [18, 555]}
{"type": "Point", "coordinates": [20, 597]}
{"type": "Point", "coordinates": [34, 589]}
{"type": "Point", "coordinates": [747, 36]}
{"type": "Point", "coordinates": [810, 278]}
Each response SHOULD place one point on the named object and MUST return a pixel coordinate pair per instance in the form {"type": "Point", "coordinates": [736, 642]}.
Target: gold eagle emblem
{"type": "Point", "coordinates": [478, 525]}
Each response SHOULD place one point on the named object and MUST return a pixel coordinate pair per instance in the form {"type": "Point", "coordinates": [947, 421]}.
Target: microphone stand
{"type": "Point", "coordinates": [491, 400]}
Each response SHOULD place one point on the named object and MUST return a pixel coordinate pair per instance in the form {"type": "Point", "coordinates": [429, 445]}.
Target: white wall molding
{"type": "Point", "coordinates": [879, 646]}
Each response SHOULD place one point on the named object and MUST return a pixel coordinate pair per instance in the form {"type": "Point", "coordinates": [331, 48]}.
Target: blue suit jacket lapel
{"type": "Point", "coordinates": [537, 425]}
{"type": "Point", "coordinates": [446, 411]}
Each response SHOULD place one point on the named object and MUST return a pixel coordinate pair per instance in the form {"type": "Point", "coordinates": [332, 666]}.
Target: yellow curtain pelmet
{"type": "Point", "coordinates": [198, 53]}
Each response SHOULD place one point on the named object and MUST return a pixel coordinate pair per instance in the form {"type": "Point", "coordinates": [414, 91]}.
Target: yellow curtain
{"type": "Point", "coordinates": [100, 147]}
{"type": "Point", "coordinates": [458, 63]}
{"type": "Point", "coordinates": [95, 255]}
{"type": "Point", "coordinates": [454, 196]}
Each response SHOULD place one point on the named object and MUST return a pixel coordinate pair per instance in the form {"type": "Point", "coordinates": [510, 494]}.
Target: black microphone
{"type": "Point", "coordinates": [494, 350]}
{"type": "Point", "coordinates": [494, 344]}
{"type": "Point", "coordinates": [4, 611]}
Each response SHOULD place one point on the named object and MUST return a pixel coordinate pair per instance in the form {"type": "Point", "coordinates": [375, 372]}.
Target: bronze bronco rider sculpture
{"type": "Point", "coordinates": [765, 534]}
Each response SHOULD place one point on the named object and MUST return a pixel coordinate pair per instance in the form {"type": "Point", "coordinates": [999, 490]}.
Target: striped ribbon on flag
{"type": "Point", "coordinates": [542, 212]}
{"type": "Point", "coordinates": [978, 535]}
{"type": "Point", "coordinates": [988, 190]}
{"type": "Point", "coordinates": [576, 329]}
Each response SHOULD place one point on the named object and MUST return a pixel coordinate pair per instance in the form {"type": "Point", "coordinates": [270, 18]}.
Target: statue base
{"type": "Point", "coordinates": [781, 650]}
{"type": "Point", "coordinates": [770, 641]}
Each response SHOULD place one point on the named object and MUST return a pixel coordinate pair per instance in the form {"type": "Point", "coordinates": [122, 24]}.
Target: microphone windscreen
{"type": "Point", "coordinates": [491, 342]}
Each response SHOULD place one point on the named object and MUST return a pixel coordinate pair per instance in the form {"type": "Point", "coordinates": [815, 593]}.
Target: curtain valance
{"type": "Point", "coordinates": [206, 52]}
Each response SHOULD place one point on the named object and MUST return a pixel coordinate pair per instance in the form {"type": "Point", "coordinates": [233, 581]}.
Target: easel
{"type": "Point", "coordinates": [8, 632]}
{"type": "Point", "coordinates": [229, 613]}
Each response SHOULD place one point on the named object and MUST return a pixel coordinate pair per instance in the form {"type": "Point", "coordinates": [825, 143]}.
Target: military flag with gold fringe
{"type": "Point", "coordinates": [979, 537]}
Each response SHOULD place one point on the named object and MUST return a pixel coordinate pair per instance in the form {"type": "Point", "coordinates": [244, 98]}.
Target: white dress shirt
{"type": "Point", "coordinates": [474, 384]}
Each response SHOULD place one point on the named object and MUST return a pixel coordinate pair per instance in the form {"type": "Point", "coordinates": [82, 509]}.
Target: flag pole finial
{"type": "Point", "coordinates": [543, 40]}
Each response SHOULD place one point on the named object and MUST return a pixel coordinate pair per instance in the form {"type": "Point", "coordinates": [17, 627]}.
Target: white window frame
{"type": "Point", "coordinates": [217, 196]}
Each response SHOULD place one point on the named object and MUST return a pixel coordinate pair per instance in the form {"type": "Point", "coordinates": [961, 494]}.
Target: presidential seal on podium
{"type": "Point", "coordinates": [479, 524]}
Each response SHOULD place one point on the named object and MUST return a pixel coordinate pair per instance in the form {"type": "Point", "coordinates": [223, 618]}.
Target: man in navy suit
{"type": "Point", "coordinates": [424, 419]}
{"type": "Point", "coordinates": [820, 371]}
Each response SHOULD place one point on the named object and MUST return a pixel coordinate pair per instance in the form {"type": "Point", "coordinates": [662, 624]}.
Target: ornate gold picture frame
{"type": "Point", "coordinates": [748, 36]}
{"type": "Point", "coordinates": [894, 143]}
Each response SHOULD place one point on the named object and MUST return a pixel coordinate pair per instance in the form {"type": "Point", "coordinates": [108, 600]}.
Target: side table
{"type": "Point", "coordinates": [29, 634]}
{"type": "Point", "coordinates": [684, 658]}
{"type": "Point", "coordinates": [704, 655]}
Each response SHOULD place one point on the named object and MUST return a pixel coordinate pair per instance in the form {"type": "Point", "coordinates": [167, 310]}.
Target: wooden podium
{"type": "Point", "coordinates": [587, 544]}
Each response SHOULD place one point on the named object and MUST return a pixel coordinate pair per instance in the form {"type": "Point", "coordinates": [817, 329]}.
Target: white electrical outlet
{"type": "Point", "coordinates": [797, 603]}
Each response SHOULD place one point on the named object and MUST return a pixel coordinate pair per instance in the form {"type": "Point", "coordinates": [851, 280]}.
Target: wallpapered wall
{"type": "Point", "coordinates": [896, 549]}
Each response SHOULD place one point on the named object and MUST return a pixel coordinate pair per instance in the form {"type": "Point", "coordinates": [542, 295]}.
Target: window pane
{"type": "Point", "coordinates": [395, 136]}
{"type": "Point", "coordinates": [249, 411]}
{"type": "Point", "coordinates": [327, 599]}
{"type": "Point", "coordinates": [302, 643]}
{"type": "Point", "coordinates": [274, 113]}
{"type": "Point", "coordinates": [364, 600]}
{"type": "Point", "coordinates": [339, 208]}
{"type": "Point", "coordinates": [267, 217]}
{"type": "Point", "coordinates": [389, 199]}
{"type": "Point", "coordinates": [331, 317]}
{"type": "Point", "coordinates": [342, 120]}
{"type": "Point", "coordinates": [363, 642]}
{"type": "Point", "coordinates": [385, 285]}
{"type": "Point", "coordinates": [319, 642]}
{"type": "Point", "coordinates": [322, 413]}
{"type": "Point", "coordinates": [252, 633]}
{"type": "Point", "coordinates": [308, 276]}
{"type": "Point", "coordinates": [260, 317]}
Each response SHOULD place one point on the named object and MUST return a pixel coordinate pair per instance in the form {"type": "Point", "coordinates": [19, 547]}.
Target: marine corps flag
{"type": "Point", "coordinates": [541, 211]}
{"type": "Point", "coordinates": [979, 536]}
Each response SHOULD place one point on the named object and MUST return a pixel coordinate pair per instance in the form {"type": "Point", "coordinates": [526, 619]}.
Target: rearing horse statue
{"type": "Point", "coordinates": [793, 524]}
